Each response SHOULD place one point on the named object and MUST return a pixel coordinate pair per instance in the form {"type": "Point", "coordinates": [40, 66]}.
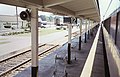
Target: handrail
{"type": "Point", "coordinates": [87, 69]}
{"type": "Point", "coordinates": [113, 55]}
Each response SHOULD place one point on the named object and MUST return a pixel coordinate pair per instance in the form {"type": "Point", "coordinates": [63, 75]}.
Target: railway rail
{"type": "Point", "coordinates": [11, 63]}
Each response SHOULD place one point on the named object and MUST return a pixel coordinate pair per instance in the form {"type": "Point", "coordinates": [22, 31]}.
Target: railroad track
{"type": "Point", "coordinates": [11, 63]}
{"type": "Point", "coordinates": [16, 61]}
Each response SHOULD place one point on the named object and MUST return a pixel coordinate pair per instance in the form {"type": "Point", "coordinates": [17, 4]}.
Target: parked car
{"type": "Point", "coordinates": [10, 25]}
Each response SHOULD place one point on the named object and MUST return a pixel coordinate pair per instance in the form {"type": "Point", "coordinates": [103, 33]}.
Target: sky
{"type": "Point", "coordinates": [10, 10]}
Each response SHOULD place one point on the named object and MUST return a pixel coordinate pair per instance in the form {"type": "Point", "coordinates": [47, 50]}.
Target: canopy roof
{"type": "Point", "coordinates": [88, 9]}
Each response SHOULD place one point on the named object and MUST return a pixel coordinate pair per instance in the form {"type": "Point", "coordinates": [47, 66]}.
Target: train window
{"type": "Point", "coordinates": [113, 26]}
{"type": "Point", "coordinates": [118, 32]}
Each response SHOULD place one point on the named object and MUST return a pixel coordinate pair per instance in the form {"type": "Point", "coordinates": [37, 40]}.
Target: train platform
{"type": "Point", "coordinates": [98, 55]}
{"type": "Point", "coordinates": [55, 64]}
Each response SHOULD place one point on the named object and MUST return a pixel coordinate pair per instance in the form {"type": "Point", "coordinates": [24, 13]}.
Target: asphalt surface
{"type": "Point", "coordinates": [14, 43]}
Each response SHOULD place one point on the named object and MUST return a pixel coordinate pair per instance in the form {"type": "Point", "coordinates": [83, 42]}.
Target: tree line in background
{"type": "Point", "coordinates": [47, 18]}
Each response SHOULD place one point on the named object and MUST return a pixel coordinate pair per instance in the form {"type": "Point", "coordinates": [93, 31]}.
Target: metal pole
{"type": "Point", "coordinates": [93, 27]}
{"type": "Point", "coordinates": [89, 29]}
{"type": "Point", "coordinates": [80, 34]}
{"type": "Point", "coordinates": [17, 16]}
{"type": "Point", "coordinates": [86, 32]}
{"type": "Point", "coordinates": [69, 42]}
{"type": "Point", "coordinates": [34, 41]}
{"type": "Point", "coordinates": [22, 24]}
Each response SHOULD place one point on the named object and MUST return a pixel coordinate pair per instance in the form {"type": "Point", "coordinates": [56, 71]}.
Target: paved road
{"type": "Point", "coordinates": [19, 42]}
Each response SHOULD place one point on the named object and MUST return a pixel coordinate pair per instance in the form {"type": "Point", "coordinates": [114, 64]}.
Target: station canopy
{"type": "Point", "coordinates": [88, 9]}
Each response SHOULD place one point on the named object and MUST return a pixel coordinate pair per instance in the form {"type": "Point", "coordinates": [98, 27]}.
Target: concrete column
{"type": "Point", "coordinates": [89, 29]}
{"type": "Point", "coordinates": [94, 24]}
{"type": "Point", "coordinates": [90, 25]}
{"type": "Point", "coordinates": [80, 34]}
{"type": "Point", "coordinates": [86, 32]}
{"type": "Point", "coordinates": [69, 42]}
{"type": "Point", "coordinates": [34, 41]}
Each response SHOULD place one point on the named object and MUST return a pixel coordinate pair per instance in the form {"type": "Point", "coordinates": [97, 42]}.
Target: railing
{"type": "Point", "coordinates": [113, 55]}
{"type": "Point", "coordinates": [87, 69]}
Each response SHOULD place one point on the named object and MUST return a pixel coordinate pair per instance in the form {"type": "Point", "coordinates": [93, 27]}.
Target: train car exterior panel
{"type": "Point", "coordinates": [112, 25]}
{"type": "Point", "coordinates": [118, 30]}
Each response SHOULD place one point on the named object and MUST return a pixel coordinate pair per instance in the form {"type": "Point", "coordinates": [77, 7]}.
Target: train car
{"type": "Point", "coordinates": [112, 25]}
